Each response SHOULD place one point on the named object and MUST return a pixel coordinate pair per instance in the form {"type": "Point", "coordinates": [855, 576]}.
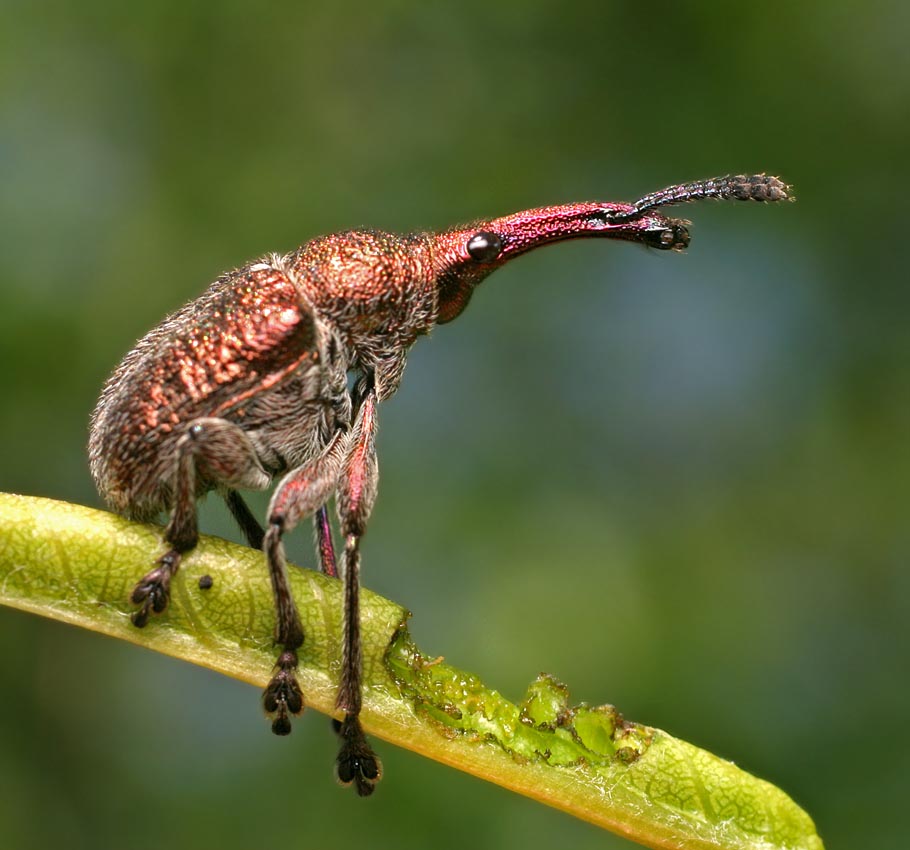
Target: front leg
{"type": "Point", "coordinates": [357, 487]}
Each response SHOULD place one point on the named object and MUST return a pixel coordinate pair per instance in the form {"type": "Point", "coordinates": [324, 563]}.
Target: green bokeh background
{"type": "Point", "coordinates": [679, 483]}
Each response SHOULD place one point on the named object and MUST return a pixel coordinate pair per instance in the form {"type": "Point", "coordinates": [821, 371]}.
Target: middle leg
{"type": "Point", "coordinates": [301, 492]}
{"type": "Point", "coordinates": [324, 544]}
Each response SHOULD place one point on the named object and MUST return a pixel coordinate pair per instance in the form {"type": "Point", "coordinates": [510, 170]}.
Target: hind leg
{"type": "Point", "coordinates": [243, 516]}
{"type": "Point", "coordinates": [224, 453]}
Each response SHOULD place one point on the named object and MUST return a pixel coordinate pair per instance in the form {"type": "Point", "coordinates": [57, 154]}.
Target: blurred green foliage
{"type": "Point", "coordinates": [715, 445]}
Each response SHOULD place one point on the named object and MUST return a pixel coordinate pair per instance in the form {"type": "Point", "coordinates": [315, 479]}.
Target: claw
{"type": "Point", "coordinates": [356, 762]}
{"type": "Point", "coordinates": [282, 696]}
{"type": "Point", "coordinates": [141, 617]}
{"type": "Point", "coordinates": [153, 591]}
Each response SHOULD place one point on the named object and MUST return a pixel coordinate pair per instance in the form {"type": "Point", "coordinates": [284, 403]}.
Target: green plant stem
{"type": "Point", "coordinates": [79, 565]}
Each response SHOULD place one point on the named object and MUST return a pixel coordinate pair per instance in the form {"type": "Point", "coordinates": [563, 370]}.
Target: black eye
{"type": "Point", "coordinates": [484, 246]}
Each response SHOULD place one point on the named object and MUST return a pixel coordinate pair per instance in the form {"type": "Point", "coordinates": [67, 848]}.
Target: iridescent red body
{"type": "Point", "coordinates": [276, 371]}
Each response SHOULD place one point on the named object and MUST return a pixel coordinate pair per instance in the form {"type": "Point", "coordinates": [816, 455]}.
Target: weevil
{"type": "Point", "coordinates": [276, 371]}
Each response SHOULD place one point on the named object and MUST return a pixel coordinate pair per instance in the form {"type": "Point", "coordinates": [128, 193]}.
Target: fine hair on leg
{"type": "Point", "coordinates": [226, 455]}
{"type": "Point", "coordinates": [301, 492]}
{"type": "Point", "coordinates": [356, 764]}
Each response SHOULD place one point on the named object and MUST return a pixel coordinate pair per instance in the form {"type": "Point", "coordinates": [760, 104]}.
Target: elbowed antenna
{"type": "Point", "coordinates": [737, 187]}
{"type": "Point", "coordinates": [464, 256]}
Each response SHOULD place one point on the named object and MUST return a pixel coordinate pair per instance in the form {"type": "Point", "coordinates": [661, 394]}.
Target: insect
{"type": "Point", "coordinates": [276, 371]}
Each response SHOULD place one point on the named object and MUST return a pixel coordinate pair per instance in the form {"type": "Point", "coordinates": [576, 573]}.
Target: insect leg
{"type": "Point", "coordinates": [223, 453]}
{"type": "Point", "coordinates": [243, 516]}
{"type": "Point", "coordinates": [357, 486]}
{"type": "Point", "coordinates": [324, 543]}
{"type": "Point", "coordinates": [301, 492]}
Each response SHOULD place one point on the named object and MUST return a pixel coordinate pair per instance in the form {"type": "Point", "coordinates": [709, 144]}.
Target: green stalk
{"type": "Point", "coordinates": [79, 565]}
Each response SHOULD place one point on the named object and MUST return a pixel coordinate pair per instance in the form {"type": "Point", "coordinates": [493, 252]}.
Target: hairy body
{"type": "Point", "coordinates": [276, 371]}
